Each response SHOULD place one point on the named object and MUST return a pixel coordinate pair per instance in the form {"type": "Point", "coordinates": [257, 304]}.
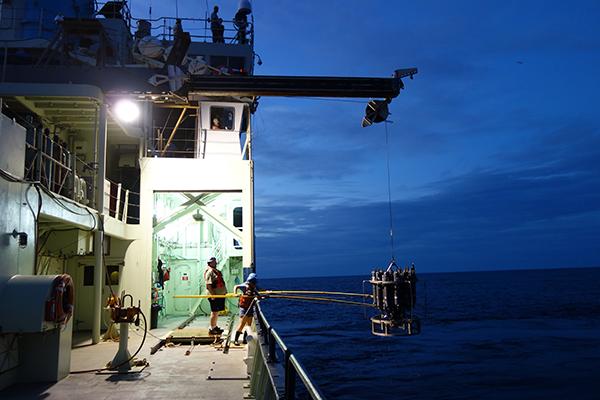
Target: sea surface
{"type": "Point", "coordinates": [529, 334]}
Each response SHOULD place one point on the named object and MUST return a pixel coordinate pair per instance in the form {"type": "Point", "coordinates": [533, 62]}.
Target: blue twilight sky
{"type": "Point", "coordinates": [495, 145]}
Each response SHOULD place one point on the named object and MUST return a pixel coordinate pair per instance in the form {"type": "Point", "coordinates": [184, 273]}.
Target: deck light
{"type": "Point", "coordinates": [127, 111]}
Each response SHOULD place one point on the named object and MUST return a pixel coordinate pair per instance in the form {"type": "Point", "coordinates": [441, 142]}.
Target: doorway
{"type": "Point", "coordinates": [188, 229]}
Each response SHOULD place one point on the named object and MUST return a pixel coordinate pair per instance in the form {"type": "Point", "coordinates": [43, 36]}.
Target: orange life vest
{"type": "Point", "coordinates": [247, 298]}
{"type": "Point", "coordinates": [220, 281]}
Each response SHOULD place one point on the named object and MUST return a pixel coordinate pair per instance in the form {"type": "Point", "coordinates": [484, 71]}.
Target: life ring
{"type": "Point", "coordinates": [60, 305]}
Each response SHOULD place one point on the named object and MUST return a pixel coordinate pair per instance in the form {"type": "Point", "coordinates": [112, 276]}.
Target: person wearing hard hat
{"type": "Point", "coordinates": [246, 303]}
{"type": "Point", "coordinates": [215, 286]}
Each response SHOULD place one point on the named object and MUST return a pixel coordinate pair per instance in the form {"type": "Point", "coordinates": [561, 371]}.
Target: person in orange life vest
{"type": "Point", "coordinates": [215, 286]}
{"type": "Point", "coordinates": [249, 294]}
{"type": "Point", "coordinates": [163, 274]}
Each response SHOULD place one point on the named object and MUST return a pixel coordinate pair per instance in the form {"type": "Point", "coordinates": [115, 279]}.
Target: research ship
{"type": "Point", "coordinates": [126, 162]}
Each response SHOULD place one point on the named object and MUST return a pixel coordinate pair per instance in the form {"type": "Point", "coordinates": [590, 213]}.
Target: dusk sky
{"type": "Point", "coordinates": [495, 144]}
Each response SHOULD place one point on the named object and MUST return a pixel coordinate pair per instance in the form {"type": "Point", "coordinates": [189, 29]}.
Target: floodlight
{"type": "Point", "coordinates": [127, 111]}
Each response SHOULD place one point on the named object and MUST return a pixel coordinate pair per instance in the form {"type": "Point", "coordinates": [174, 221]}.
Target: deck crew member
{"type": "Point", "coordinates": [216, 26]}
{"type": "Point", "coordinates": [160, 277]}
{"type": "Point", "coordinates": [177, 30]}
{"type": "Point", "coordinates": [249, 294]}
{"type": "Point", "coordinates": [215, 286]}
{"type": "Point", "coordinates": [240, 20]}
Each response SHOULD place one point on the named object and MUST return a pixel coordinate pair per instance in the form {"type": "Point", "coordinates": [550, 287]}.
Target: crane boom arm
{"type": "Point", "coordinates": [312, 86]}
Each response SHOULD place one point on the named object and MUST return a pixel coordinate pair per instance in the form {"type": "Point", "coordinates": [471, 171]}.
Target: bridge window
{"type": "Point", "coordinates": [232, 65]}
{"type": "Point", "coordinates": [222, 118]}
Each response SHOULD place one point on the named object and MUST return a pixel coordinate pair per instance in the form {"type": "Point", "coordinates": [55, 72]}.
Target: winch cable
{"type": "Point", "coordinates": [321, 299]}
{"type": "Point", "coordinates": [389, 182]}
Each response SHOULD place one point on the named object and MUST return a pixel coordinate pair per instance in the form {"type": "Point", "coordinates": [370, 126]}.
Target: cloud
{"type": "Point", "coordinates": [543, 215]}
{"type": "Point", "coordinates": [311, 140]}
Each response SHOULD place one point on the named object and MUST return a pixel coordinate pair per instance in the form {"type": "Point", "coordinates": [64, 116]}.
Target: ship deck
{"type": "Point", "coordinates": [206, 373]}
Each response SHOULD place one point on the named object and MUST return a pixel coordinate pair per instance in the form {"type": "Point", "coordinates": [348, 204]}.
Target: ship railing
{"type": "Point", "coordinates": [172, 141]}
{"type": "Point", "coordinates": [276, 368]}
{"type": "Point", "coordinates": [200, 29]}
{"type": "Point", "coordinates": [40, 22]}
{"type": "Point", "coordinates": [118, 202]}
{"type": "Point", "coordinates": [49, 162]}
{"type": "Point", "coordinates": [29, 22]}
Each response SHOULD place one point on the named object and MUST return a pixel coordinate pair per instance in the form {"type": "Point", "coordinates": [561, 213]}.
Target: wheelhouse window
{"type": "Point", "coordinates": [222, 118]}
{"type": "Point", "coordinates": [237, 217]}
{"type": "Point", "coordinates": [237, 222]}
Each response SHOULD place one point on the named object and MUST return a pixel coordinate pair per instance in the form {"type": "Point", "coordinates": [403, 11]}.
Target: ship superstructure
{"type": "Point", "coordinates": [171, 184]}
{"type": "Point", "coordinates": [126, 157]}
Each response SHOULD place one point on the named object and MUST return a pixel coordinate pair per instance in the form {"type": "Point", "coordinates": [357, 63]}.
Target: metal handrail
{"type": "Point", "coordinates": [202, 24]}
{"type": "Point", "coordinates": [270, 339]}
{"type": "Point", "coordinates": [57, 169]}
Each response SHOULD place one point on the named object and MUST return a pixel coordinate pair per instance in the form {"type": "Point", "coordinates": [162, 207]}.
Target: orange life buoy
{"type": "Point", "coordinates": [59, 307]}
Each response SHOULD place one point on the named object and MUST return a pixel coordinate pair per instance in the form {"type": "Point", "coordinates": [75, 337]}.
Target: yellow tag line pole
{"type": "Point", "coordinates": [317, 299]}
{"type": "Point", "coordinates": [276, 295]}
{"type": "Point", "coordinates": [269, 292]}
{"type": "Point", "coordinates": [207, 296]}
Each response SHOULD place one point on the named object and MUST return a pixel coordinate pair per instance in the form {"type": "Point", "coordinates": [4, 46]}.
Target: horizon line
{"type": "Point", "coordinates": [448, 272]}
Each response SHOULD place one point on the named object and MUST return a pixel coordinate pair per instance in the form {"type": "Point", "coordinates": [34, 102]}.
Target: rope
{"type": "Point", "coordinates": [321, 299]}
{"type": "Point", "coordinates": [387, 145]}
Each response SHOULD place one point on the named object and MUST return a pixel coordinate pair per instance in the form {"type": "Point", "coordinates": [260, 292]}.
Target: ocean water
{"type": "Point", "coordinates": [531, 334]}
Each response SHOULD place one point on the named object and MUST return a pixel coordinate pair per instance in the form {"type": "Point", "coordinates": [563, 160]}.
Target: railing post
{"type": "Point", "coordinates": [271, 357]}
{"type": "Point", "coordinates": [72, 177]}
{"type": "Point", "coordinates": [118, 206]}
{"type": "Point", "coordinates": [290, 377]}
{"type": "Point", "coordinates": [125, 207]}
{"type": "Point", "coordinates": [50, 164]}
{"type": "Point", "coordinates": [38, 160]}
